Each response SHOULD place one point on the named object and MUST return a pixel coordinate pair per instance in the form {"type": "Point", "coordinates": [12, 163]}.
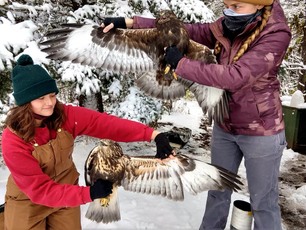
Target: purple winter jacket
{"type": "Point", "coordinates": [255, 106]}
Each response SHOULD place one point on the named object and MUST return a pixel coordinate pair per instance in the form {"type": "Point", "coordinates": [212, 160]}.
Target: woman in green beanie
{"type": "Point", "coordinates": [37, 144]}
{"type": "Point", "coordinates": [250, 41]}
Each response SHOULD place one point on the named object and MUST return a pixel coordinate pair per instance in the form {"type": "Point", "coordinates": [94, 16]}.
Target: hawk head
{"type": "Point", "coordinates": [165, 16]}
{"type": "Point", "coordinates": [105, 161]}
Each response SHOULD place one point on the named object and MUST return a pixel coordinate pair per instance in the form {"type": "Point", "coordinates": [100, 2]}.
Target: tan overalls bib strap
{"type": "Point", "coordinates": [55, 159]}
{"type": "Point", "coordinates": [1, 217]}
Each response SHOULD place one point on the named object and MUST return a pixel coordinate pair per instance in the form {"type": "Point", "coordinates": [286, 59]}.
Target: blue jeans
{"type": "Point", "coordinates": [262, 156]}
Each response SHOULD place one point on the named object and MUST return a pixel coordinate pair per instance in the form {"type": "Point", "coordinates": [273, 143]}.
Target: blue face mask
{"type": "Point", "coordinates": [230, 12]}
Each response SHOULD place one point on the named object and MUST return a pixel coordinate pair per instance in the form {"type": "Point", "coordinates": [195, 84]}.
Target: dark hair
{"type": "Point", "coordinates": [22, 122]}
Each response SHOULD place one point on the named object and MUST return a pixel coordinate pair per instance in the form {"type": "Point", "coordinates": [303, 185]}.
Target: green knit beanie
{"type": "Point", "coordinates": [30, 81]}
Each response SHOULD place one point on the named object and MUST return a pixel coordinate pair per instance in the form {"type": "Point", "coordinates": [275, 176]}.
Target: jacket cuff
{"type": "Point", "coordinates": [180, 66]}
{"type": "Point", "coordinates": [148, 134]}
{"type": "Point", "coordinates": [86, 195]}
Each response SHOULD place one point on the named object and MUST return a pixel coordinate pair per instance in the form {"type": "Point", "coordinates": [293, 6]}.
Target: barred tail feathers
{"type": "Point", "coordinates": [108, 214]}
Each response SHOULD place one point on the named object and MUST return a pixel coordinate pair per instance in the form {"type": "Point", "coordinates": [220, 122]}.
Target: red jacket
{"type": "Point", "coordinates": [255, 106]}
{"type": "Point", "coordinates": [27, 173]}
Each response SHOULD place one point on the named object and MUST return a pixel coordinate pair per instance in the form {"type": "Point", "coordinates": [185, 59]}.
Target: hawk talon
{"type": "Point", "coordinates": [104, 202]}
{"type": "Point", "coordinates": [174, 75]}
{"type": "Point", "coordinates": [167, 69]}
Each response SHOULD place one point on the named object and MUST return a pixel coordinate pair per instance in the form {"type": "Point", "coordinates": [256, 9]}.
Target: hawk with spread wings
{"type": "Point", "coordinates": [171, 177]}
{"type": "Point", "coordinates": [140, 51]}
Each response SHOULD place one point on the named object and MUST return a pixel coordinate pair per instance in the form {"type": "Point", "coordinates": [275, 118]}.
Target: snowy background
{"type": "Point", "coordinates": [20, 28]}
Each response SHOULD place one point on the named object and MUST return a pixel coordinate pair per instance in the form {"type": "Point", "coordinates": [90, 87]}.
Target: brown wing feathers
{"type": "Point", "coordinates": [118, 50]}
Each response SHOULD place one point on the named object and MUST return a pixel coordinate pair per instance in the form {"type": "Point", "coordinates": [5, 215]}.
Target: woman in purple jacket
{"type": "Point", "coordinates": [250, 42]}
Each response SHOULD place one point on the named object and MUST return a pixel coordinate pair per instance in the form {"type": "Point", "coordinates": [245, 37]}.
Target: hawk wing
{"type": "Point", "coordinates": [172, 176]}
{"type": "Point", "coordinates": [119, 50]}
{"type": "Point", "coordinates": [213, 101]}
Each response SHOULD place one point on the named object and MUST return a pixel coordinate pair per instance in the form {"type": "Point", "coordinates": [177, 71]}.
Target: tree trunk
{"type": "Point", "coordinates": [82, 100]}
{"type": "Point", "coordinates": [94, 102]}
{"type": "Point", "coordinates": [99, 101]}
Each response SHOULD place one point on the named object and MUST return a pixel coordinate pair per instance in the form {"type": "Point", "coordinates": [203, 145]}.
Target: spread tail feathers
{"type": "Point", "coordinates": [108, 214]}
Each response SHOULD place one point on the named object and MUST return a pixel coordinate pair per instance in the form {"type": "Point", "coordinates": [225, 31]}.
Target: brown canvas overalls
{"type": "Point", "coordinates": [56, 161]}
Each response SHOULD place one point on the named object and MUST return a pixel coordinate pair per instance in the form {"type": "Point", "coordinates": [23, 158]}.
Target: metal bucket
{"type": "Point", "coordinates": [242, 217]}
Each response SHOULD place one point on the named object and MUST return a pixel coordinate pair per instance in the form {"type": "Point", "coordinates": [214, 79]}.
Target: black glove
{"type": "Point", "coordinates": [163, 148]}
{"type": "Point", "coordinates": [100, 189]}
{"type": "Point", "coordinates": [173, 56]}
{"type": "Point", "coordinates": [119, 22]}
